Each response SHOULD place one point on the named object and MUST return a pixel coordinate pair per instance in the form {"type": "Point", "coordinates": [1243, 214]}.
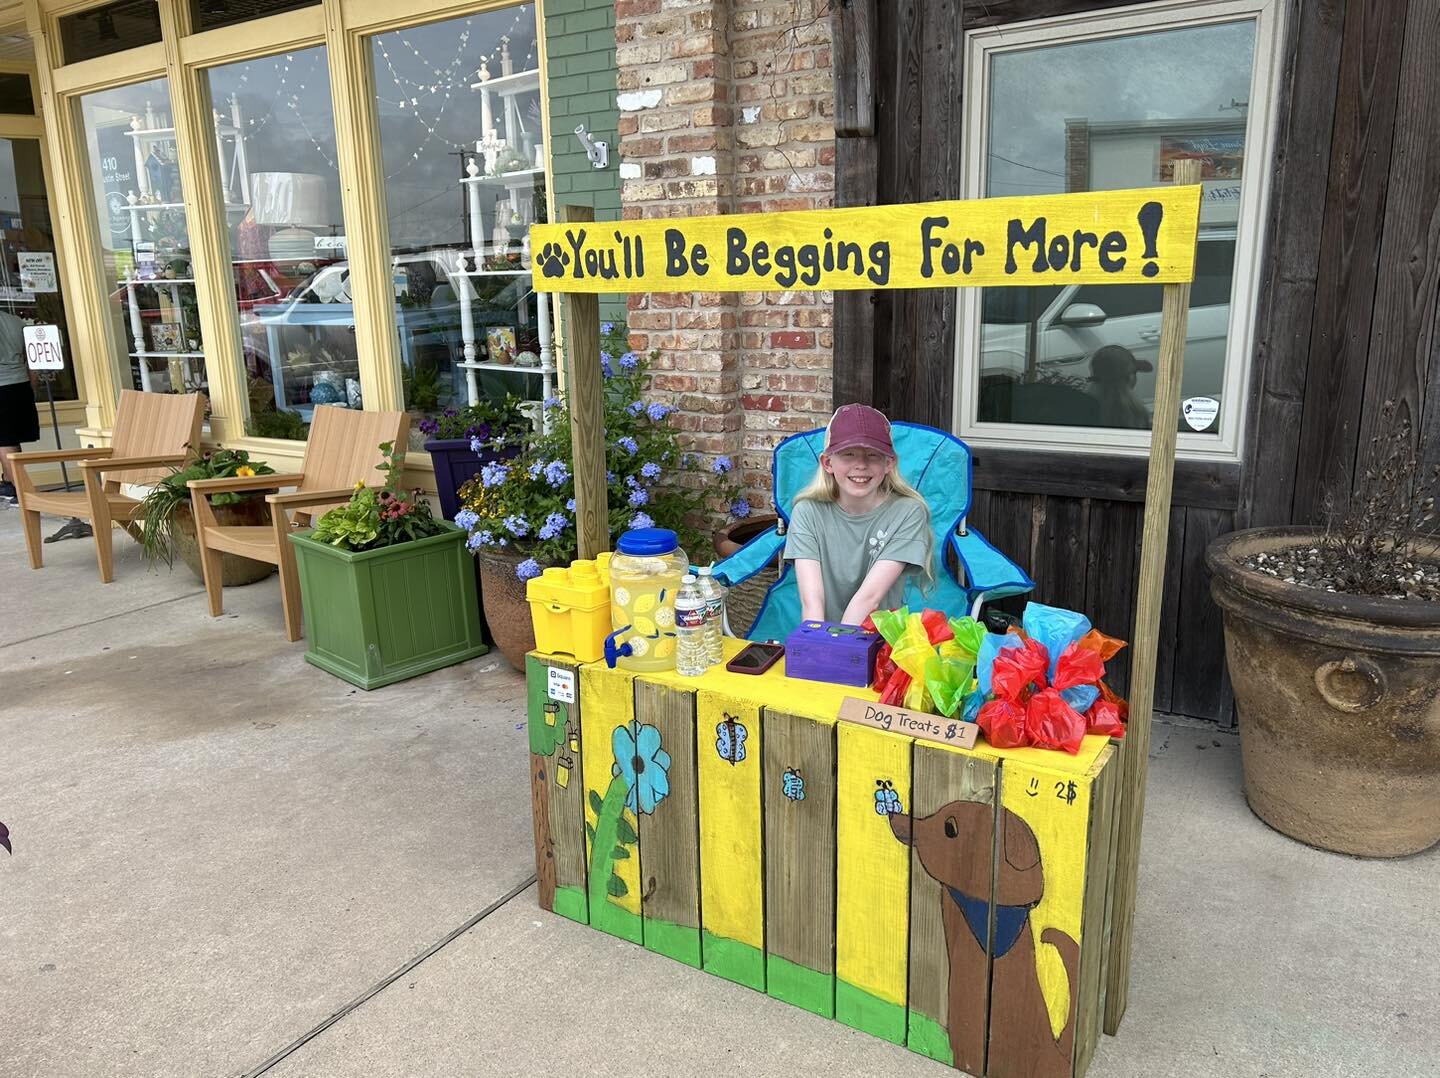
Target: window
{"type": "Point", "coordinates": [462, 143]}
{"type": "Point", "coordinates": [144, 237]}
{"type": "Point", "coordinates": [1106, 102]}
{"type": "Point", "coordinates": [210, 14]}
{"type": "Point", "coordinates": [112, 28]}
{"type": "Point", "coordinates": [16, 96]}
{"type": "Point", "coordinates": [274, 138]}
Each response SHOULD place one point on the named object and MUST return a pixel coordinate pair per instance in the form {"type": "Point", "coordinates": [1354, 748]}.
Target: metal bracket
{"type": "Point", "coordinates": [595, 149]}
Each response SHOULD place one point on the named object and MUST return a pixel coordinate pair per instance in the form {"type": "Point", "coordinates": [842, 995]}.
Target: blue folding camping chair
{"type": "Point", "coordinates": [936, 464]}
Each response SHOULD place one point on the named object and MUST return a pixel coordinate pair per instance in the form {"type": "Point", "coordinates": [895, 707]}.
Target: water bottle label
{"type": "Point", "coordinates": [690, 617]}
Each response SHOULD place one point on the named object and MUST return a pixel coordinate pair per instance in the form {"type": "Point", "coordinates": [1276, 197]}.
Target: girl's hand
{"type": "Point", "coordinates": [879, 580]}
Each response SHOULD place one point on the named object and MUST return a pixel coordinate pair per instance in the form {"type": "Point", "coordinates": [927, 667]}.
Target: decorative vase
{"type": "Point", "coordinates": [1339, 702]}
{"type": "Point", "coordinates": [235, 571]}
{"type": "Point", "coordinates": [502, 593]}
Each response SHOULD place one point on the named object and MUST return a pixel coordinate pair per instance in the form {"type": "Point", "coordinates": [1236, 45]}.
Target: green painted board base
{"type": "Point", "coordinates": [928, 1038]}
{"type": "Point", "coordinates": [800, 986]}
{"type": "Point", "coordinates": [395, 673]}
{"type": "Point", "coordinates": [570, 902]}
{"type": "Point", "coordinates": [738, 962]}
{"type": "Point", "coordinates": [673, 941]}
{"type": "Point", "coordinates": [869, 1014]}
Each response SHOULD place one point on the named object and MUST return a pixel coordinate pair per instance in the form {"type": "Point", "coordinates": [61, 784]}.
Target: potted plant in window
{"type": "Point", "coordinates": [168, 528]}
{"type": "Point", "coordinates": [461, 441]}
{"type": "Point", "coordinates": [1332, 638]}
{"type": "Point", "coordinates": [520, 513]}
{"type": "Point", "coordinates": [387, 588]}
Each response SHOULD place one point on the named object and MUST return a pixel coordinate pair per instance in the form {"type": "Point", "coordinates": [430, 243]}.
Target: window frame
{"type": "Point", "coordinates": [981, 46]}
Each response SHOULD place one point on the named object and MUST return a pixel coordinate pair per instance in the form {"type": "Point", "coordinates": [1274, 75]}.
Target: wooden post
{"type": "Point", "coordinates": [1164, 423]}
{"type": "Point", "coordinates": [587, 413]}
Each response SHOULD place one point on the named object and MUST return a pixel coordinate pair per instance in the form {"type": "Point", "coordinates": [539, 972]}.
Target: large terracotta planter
{"type": "Point", "coordinates": [730, 538]}
{"type": "Point", "coordinates": [236, 571]}
{"type": "Point", "coordinates": [507, 614]}
{"type": "Point", "coordinates": [1339, 703]}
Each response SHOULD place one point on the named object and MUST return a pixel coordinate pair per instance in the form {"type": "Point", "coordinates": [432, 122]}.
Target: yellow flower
{"type": "Point", "coordinates": [359, 484]}
{"type": "Point", "coordinates": [245, 470]}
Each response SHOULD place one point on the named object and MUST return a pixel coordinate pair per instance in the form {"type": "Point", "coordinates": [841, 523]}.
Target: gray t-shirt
{"type": "Point", "coordinates": [13, 370]}
{"type": "Point", "coordinates": [848, 546]}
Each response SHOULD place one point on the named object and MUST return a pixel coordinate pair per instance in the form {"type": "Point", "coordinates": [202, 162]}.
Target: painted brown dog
{"type": "Point", "coordinates": [955, 846]}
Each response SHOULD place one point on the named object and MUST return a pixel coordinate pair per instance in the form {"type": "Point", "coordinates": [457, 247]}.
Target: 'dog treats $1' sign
{"type": "Point", "coordinates": [1144, 236]}
{"type": "Point", "coordinates": [901, 720]}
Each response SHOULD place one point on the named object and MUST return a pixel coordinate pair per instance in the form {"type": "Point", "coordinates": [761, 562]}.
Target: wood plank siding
{"type": "Point", "coordinates": [1349, 295]}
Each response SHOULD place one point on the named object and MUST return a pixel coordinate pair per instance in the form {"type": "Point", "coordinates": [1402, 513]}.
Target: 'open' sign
{"type": "Point", "coordinates": [43, 350]}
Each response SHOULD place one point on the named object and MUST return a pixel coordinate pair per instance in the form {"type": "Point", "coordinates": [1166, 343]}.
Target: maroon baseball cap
{"type": "Point", "coordinates": [860, 425]}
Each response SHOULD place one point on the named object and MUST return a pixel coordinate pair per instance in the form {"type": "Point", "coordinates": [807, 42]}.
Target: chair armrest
{"type": "Point", "coordinates": [237, 483]}
{"type": "Point", "coordinates": [988, 572]}
{"type": "Point", "coordinates": [54, 456]}
{"type": "Point", "coordinates": [125, 464]}
{"type": "Point", "coordinates": [750, 559]}
{"type": "Point", "coordinates": [310, 497]}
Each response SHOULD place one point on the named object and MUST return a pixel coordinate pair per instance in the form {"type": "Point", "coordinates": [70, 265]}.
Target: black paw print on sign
{"type": "Point", "coordinates": [553, 260]}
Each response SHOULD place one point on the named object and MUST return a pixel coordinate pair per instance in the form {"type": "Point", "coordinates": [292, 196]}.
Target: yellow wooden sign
{"type": "Point", "coordinates": [1121, 237]}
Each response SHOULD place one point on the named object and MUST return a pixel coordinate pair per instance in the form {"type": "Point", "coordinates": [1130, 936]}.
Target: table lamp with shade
{"type": "Point", "coordinates": [293, 200]}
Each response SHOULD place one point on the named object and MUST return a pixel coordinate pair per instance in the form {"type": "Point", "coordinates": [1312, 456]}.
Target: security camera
{"type": "Point", "coordinates": [597, 151]}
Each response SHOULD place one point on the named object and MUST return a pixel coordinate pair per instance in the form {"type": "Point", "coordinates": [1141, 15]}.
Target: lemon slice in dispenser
{"type": "Point", "coordinates": [622, 597]}
{"type": "Point", "coordinates": [644, 626]}
{"type": "Point", "coordinates": [665, 647]}
{"type": "Point", "coordinates": [639, 646]}
{"type": "Point", "coordinates": [665, 617]}
{"type": "Point", "coordinates": [645, 603]}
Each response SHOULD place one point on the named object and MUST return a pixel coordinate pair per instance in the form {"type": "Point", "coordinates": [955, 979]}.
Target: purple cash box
{"type": "Point", "coordinates": [827, 651]}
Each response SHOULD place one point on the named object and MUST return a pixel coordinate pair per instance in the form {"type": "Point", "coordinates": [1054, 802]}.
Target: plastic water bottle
{"type": "Point", "coordinates": [692, 655]}
{"type": "Point", "coordinates": [714, 595]}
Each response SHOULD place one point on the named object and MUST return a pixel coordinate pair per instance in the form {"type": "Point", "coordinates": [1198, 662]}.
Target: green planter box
{"type": "Point", "coordinates": [385, 615]}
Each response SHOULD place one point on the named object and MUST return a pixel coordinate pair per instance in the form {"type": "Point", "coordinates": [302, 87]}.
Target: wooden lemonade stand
{"type": "Point", "coordinates": [975, 904]}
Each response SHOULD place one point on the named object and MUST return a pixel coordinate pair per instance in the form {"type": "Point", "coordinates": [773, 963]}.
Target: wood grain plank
{"type": "Point", "coordinates": [1201, 684]}
{"type": "Point", "coordinates": [1403, 325]}
{"type": "Point", "coordinates": [1300, 175]}
{"type": "Point", "coordinates": [670, 836]}
{"type": "Point", "coordinates": [800, 861]}
{"type": "Point", "coordinates": [1165, 653]}
{"type": "Point", "coordinates": [1211, 484]}
{"type": "Point", "coordinates": [856, 184]}
{"type": "Point", "coordinates": [1110, 570]}
{"type": "Point", "coordinates": [1059, 558]}
{"type": "Point", "coordinates": [1099, 859]}
{"type": "Point", "coordinates": [901, 129]}
{"type": "Point", "coordinates": [979, 13]}
{"type": "Point", "coordinates": [949, 963]}
{"type": "Point", "coordinates": [1361, 143]}
{"type": "Point", "coordinates": [853, 31]}
{"type": "Point", "coordinates": [587, 420]}
{"type": "Point", "coordinates": [556, 793]}
{"type": "Point", "coordinates": [613, 866]}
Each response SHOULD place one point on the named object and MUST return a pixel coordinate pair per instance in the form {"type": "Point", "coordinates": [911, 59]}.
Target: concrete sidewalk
{"type": "Point", "coordinates": [219, 848]}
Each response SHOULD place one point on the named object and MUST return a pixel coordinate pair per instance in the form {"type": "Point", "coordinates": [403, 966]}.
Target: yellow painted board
{"type": "Point", "coordinates": [872, 880]}
{"type": "Point", "coordinates": [1140, 236]}
{"type": "Point", "coordinates": [732, 889]}
{"type": "Point", "coordinates": [1040, 895]}
{"type": "Point", "coordinates": [612, 827]}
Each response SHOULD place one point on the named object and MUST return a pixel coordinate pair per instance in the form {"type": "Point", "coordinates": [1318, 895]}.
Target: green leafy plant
{"type": "Point", "coordinates": [379, 518]}
{"type": "Point", "coordinates": [526, 505]}
{"type": "Point", "coordinates": [277, 423]}
{"type": "Point", "coordinates": [421, 386]}
{"type": "Point", "coordinates": [168, 495]}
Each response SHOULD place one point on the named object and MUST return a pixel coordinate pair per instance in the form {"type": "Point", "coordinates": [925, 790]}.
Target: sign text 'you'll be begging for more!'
{"type": "Point", "coordinates": [1144, 236]}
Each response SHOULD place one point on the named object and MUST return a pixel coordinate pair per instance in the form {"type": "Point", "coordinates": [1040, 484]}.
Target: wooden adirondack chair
{"type": "Point", "coordinates": [343, 450]}
{"type": "Point", "coordinates": [152, 430]}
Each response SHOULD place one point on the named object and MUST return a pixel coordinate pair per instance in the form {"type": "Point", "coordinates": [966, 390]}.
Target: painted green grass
{"type": "Point", "coordinates": [800, 985]}
{"type": "Point", "coordinates": [570, 902]}
{"type": "Point", "coordinates": [929, 1038]}
{"type": "Point", "coordinates": [673, 941]}
{"type": "Point", "coordinates": [860, 1010]}
{"type": "Point", "coordinates": [738, 962]}
{"type": "Point", "coordinates": [604, 914]}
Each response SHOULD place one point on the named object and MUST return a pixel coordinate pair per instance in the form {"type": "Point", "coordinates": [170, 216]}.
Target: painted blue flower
{"type": "Point", "coordinates": [651, 470]}
{"type": "Point", "coordinates": [467, 519]}
{"type": "Point", "coordinates": [556, 472]}
{"type": "Point", "coordinates": [554, 524]}
{"type": "Point", "coordinates": [722, 464]}
{"type": "Point", "coordinates": [740, 508]}
{"type": "Point", "coordinates": [657, 411]}
{"type": "Point", "coordinates": [635, 407]}
{"type": "Point", "coordinates": [516, 525]}
{"type": "Point", "coordinates": [493, 474]}
{"type": "Point", "coordinates": [628, 444]}
{"type": "Point", "coordinates": [642, 520]}
{"type": "Point", "coordinates": [638, 498]}
{"type": "Point", "coordinates": [528, 569]}
{"type": "Point", "coordinates": [643, 764]}
{"type": "Point", "coordinates": [607, 328]}
{"type": "Point", "coordinates": [630, 360]}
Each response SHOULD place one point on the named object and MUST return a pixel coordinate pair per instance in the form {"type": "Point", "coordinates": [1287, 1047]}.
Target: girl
{"type": "Point", "coordinates": [859, 529]}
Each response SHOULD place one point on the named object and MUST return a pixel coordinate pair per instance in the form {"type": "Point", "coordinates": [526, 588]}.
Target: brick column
{"type": "Point", "coordinates": [726, 107]}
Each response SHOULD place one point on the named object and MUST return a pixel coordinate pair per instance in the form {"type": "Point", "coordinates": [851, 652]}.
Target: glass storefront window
{"type": "Point", "coordinates": [17, 98]}
{"type": "Point", "coordinates": [1106, 114]}
{"type": "Point", "coordinates": [29, 275]}
{"type": "Point", "coordinates": [210, 14]}
{"type": "Point", "coordinates": [144, 237]}
{"type": "Point", "coordinates": [463, 146]}
{"type": "Point", "coordinates": [275, 140]}
{"type": "Point", "coordinates": [112, 28]}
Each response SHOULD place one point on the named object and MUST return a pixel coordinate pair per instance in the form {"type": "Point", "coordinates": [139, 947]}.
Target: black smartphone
{"type": "Point", "coordinates": [756, 659]}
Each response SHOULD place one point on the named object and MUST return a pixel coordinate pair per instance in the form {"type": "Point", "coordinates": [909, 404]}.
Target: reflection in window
{"type": "Point", "coordinates": [275, 146]}
{"type": "Point", "coordinates": [210, 14]}
{"type": "Point", "coordinates": [144, 237]}
{"type": "Point", "coordinates": [1110, 114]}
{"type": "Point", "coordinates": [463, 147]}
{"type": "Point", "coordinates": [101, 31]}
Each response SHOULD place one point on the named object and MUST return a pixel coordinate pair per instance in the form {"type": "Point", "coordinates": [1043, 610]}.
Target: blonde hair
{"type": "Point", "coordinates": [824, 488]}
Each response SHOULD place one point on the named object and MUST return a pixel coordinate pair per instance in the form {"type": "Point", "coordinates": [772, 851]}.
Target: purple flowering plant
{"type": "Point", "coordinates": [528, 507]}
{"type": "Point", "coordinates": [496, 423]}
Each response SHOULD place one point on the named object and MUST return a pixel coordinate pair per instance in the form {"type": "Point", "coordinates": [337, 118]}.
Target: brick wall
{"type": "Point", "coordinates": [580, 58]}
{"type": "Point", "coordinates": [726, 107]}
